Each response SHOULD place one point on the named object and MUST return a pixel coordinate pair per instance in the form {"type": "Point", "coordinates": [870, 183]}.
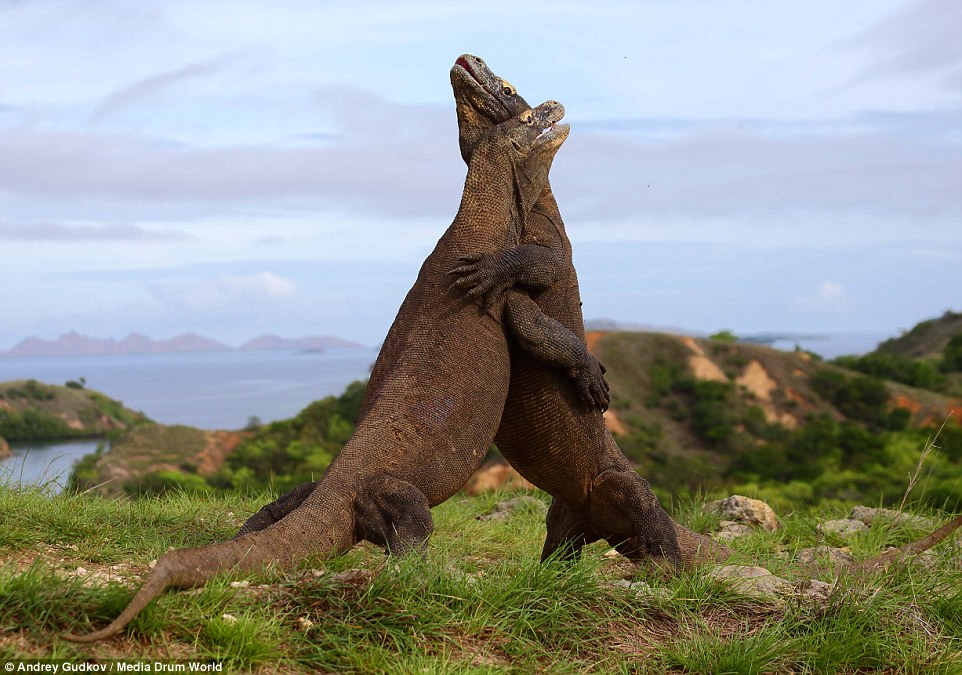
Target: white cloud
{"type": "Point", "coordinates": [828, 297]}
{"type": "Point", "coordinates": [226, 293]}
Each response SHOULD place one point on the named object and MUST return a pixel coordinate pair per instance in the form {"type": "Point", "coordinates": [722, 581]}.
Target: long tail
{"type": "Point", "coordinates": [159, 579]}
{"type": "Point", "coordinates": [323, 524]}
{"type": "Point", "coordinates": [885, 559]}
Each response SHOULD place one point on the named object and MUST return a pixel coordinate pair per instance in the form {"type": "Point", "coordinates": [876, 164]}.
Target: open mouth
{"type": "Point", "coordinates": [463, 63]}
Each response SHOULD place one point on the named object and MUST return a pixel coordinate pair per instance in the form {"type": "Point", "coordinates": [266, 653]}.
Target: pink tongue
{"type": "Point", "coordinates": [463, 62]}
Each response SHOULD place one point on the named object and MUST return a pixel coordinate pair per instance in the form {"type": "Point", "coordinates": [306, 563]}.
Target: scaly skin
{"type": "Point", "coordinates": [430, 419]}
{"type": "Point", "coordinates": [563, 448]}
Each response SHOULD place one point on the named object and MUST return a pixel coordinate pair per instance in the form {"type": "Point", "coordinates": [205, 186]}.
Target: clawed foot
{"type": "Point", "coordinates": [481, 276]}
{"type": "Point", "coordinates": [591, 384]}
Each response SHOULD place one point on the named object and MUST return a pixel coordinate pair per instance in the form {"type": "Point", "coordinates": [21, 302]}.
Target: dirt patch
{"type": "Point", "coordinates": [614, 424]}
{"type": "Point", "coordinates": [498, 476]}
{"type": "Point", "coordinates": [757, 380]}
{"type": "Point", "coordinates": [702, 366]}
{"type": "Point", "coordinates": [219, 446]}
{"type": "Point", "coordinates": [759, 383]}
{"type": "Point", "coordinates": [910, 404]}
{"type": "Point", "coordinates": [592, 338]}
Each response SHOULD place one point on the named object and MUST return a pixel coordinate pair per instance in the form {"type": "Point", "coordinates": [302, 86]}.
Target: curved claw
{"type": "Point", "coordinates": [463, 269]}
{"type": "Point", "coordinates": [592, 386]}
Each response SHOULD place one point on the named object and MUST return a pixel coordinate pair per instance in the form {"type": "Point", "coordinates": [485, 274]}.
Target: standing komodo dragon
{"type": "Point", "coordinates": [566, 451]}
{"type": "Point", "coordinates": [596, 493]}
{"type": "Point", "coordinates": [436, 410]}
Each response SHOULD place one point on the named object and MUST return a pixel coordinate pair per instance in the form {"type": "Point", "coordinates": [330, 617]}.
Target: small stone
{"type": "Point", "coordinates": [755, 582]}
{"type": "Point", "coordinates": [825, 555]}
{"type": "Point", "coordinates": [814, 591]}
{"type": "Point", "coordinates": [745, 510]}
{"type": "Point", "coordinates": [729, 529]}
{"type": "Point", "coordinates": [843, 527]}
{"type": "Point", "coordinates": [611, 553]}
{"type": "Point", "coordinates": [640, 588]}
{"type": "Point", "coordinates": [870, 516]}
{"type": "Point", "coordinates": [240, 584]}
{"type": "Point", "coordinates": [304, 623]}
{"type": "Point", "coordinates": [229, 618]}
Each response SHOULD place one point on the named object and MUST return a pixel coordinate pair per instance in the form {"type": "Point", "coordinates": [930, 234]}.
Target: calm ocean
{"type": "Point", "coordinates": [215, 390]}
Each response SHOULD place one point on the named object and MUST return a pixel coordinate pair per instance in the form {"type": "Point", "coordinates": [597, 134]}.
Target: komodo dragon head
{"type": "Point", "coordinates": [482, 100]}
{"type": "Point", "coordinates": [528, 142]}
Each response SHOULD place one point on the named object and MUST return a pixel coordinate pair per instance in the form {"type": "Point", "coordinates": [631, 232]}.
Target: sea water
{"type": "Point", "coordinates": [209, 390]}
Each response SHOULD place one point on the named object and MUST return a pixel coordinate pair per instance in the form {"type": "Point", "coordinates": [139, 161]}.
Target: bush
{"type": "Point", "coordinates": [952, 355]}
{"type": "Point", "coordinates": [166, 482]}
{"type": "Point", "coordinates": [286, 453]}
{"type": "Point", "coordinates": [861, 398]}
{"type": "Point", "coordinates": [896, 367]}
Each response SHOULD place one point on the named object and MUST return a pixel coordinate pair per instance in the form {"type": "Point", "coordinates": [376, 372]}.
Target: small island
{"type": "Point", "coordinates": [31, 411]}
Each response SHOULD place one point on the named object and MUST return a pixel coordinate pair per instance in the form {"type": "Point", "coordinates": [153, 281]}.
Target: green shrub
{"type": "Point", "coordinates": [952, 355]}
{"type": "Point", "coordinates": [896, 367]}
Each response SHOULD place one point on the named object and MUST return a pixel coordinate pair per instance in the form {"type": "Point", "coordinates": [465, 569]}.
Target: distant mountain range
{"type": "Point", "coordinates": [75, 344]}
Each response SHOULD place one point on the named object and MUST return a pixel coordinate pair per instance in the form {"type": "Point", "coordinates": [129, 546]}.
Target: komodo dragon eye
{"type": "Point", "coordinates": [507, 88]}
{"type": "Point", "coordinates": [527, 118]}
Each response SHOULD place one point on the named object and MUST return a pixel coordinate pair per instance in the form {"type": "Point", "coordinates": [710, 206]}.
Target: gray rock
{"type": "Point", "coordinates": [745, 510]}
{"type": "Point", "coordinates": [760, 584]}
{"type": "Point", "coordinates": [755, 582]}
{"type": "Point", "coordinates": [814, 591]}
{"type": "Point", "coordinates": [729, 529]}
{"type": "Point", "coordinates": [641, 588]}
{"type": "Point", "coordinates": [869, 516]}
{"type": "Point", "coordinates": [843, 527]}
{"type": "Point", "coordinates": [827, 556]}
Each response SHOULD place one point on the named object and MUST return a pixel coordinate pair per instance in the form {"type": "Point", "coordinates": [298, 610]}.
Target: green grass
{"type": "Point", "coordinates": [478, 602]}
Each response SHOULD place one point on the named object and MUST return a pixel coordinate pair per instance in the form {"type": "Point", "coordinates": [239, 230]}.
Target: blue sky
{"type": "Point", "coordinates": [234, 168]}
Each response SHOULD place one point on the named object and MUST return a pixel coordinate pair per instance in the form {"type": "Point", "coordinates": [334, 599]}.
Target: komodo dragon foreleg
{"type": "Point", "coordinates": [551, 343]}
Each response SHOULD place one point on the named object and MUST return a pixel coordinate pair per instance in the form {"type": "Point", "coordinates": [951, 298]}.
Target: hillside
{"type": "Point", "coordinates": [153, 458]}
{"type": "Point", "coordinates": [31, 411]}
{"type": "Point", "coordinates": [695, 413]}
{"type": "Point", "coordinates": [927, 339]}
{"type": "Point", "coordinates": [75, 344]}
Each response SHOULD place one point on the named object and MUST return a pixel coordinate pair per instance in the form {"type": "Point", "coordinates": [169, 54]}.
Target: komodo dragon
{"type": "Point", "coordinates": [436, 410]}
{"type": "Point", "coordinates": [597, 494]}
{"type": "Point", "coordinates": [561, 448]}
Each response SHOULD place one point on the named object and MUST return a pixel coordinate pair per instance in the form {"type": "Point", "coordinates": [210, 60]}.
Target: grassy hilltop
{"type": "Point", "coordinates": [32, 411]}
{"type": "Point", "coordinates": [479, 602]}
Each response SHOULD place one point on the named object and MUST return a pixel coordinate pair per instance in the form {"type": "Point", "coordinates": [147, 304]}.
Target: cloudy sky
{"type": "Point", "coordinates": [234, 168]}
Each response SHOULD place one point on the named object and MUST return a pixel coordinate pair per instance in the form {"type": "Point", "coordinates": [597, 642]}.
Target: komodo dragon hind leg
{"type": "Point", "coordinates": [394, 514]}
{"type": "Point", "coordinates": [568, 531]}
{"type": "Point", "coordinates": [277, 509]}
{"type": "Point", "coordinates": [620, 498]}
